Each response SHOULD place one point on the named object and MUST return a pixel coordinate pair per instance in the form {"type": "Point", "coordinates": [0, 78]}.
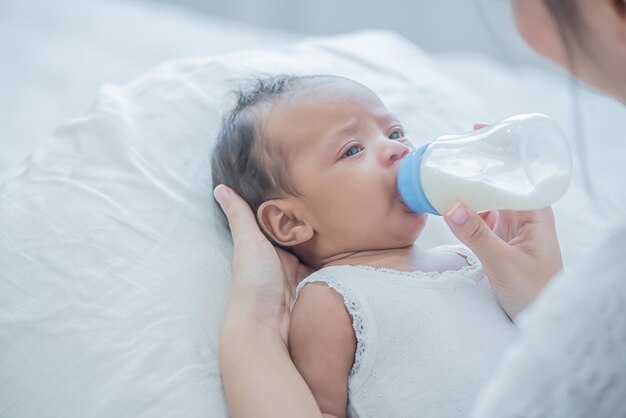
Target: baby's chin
{"type": "Point", "coordinates": [416, 221]}
{"type": "Point", "coordinates": [411, 226]}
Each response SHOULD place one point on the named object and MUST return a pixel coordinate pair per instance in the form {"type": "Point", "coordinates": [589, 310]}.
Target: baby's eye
{"type": "Point", "coordinates": [397, 134]}
{"type": "Point", "coordinates": [349, 153]}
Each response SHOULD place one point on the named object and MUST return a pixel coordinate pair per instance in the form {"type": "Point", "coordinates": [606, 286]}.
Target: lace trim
{"type": "Point", "coordinates": [353, 309]}
{"type": "Point", "coordinates": [473, 264]}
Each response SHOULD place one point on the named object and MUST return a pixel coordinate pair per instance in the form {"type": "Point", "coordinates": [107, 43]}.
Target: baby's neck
{"type": "Point", "coordinates": [410, 258]}
{"type": "Point", "coordinates": [403, 259]}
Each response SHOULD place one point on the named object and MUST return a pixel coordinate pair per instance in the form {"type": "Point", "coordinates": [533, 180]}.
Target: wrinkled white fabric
{"type": "Point", "coordinates": [55, 55]}
{"type": "Point", "coordinates": [570, 360]}
{"type": "Point", "coordinates": [114, 266]}
{"type": "Point", "coordinates": [427, 341]}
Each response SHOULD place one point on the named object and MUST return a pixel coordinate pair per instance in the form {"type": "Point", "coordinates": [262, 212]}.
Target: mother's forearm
{"type": "Point", "coordinates": [259, 377]}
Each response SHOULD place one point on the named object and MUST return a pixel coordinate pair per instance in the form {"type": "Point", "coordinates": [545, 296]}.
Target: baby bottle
{"type": "Point", "coordinates": [522, 163]}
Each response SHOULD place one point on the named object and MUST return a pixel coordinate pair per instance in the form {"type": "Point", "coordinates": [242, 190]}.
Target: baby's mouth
{"type": "Point", "coordinates": [396, 191]}
{"type": "Point", "coordinates": [398, 197]}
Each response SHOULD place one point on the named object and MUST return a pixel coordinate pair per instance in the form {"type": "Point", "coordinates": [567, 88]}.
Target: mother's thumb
{"type": "Point", "coordinates": [472, 231]}
{"type": "Point", "coordinates": [240, 217]}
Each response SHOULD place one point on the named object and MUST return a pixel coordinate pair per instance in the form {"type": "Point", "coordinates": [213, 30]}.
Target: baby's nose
{"type": "Point", "coordinates": [395, 151]}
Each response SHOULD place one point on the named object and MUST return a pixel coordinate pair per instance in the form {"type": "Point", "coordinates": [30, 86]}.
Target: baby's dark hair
{"type": "Point", "coordinates": [244, 157]}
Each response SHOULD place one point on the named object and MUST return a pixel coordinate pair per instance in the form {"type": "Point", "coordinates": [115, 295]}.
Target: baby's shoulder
{"type": "Point", "coordinates": [317, 314]}
{"type": "Point", "coordinates": [317, 291]}
{"type": "Point", "coordinates": [327, 280]}
{"type": "Point", "coordinates": [314, 296]}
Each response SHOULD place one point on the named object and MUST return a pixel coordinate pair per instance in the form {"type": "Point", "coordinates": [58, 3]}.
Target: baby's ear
{"type": "Point", "coordinates": [278, 220]}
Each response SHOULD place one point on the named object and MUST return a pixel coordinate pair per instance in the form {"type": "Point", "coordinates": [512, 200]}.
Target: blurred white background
{"type": "Point", "coordinates": [55, 55]}
{"type": "Point", "coordinates": [482, 26]}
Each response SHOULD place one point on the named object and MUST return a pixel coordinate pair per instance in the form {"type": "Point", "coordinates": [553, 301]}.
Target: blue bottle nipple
{"type": "Point", "coordinates": [410, 184]}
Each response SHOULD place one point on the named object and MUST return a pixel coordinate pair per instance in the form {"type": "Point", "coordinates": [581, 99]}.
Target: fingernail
{"type": "Point", "coordinates": [222, 194]}
{"type": "Point", "coordinates": [457, 214]}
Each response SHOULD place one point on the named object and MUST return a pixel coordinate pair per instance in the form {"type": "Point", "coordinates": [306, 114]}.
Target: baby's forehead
{"type": "Point", "coordinates": [309, 113]}
{"type": "Point", "coordinates": [315, 105]}
{"type": "Point", "coordinates": [333, 88]}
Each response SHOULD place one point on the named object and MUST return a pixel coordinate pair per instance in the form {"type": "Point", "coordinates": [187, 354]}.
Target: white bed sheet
{"type": "Point", "coordinates": [55, 55]}
{"type": "Point", "coordinates": [114, 268]}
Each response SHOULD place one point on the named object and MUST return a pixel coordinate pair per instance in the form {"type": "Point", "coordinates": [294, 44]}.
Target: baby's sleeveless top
{"type": "Point", "coordinates": [427, 342]}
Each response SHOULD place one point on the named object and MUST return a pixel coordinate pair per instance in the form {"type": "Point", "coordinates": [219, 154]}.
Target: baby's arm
{"type": "Point", "coordinates": [322, 345]}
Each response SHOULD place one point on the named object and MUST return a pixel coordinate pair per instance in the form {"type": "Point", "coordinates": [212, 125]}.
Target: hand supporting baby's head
{"type": "Point", "coordinates": [316, 158]}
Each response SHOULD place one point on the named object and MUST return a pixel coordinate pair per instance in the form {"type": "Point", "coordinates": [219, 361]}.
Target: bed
{"type": "Point", "coordinates": [57, 54]}
{"type": "Point", "coordinates": [114, 267]}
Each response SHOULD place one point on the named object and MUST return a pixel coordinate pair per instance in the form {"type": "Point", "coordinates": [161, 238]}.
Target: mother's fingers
{"type": "Point", "coordinates": [293, 270]}
{"type": "Point", "coordinates": [490, 218]}
{"type": "Point", "coordinates": [242, 221]}
{"type": "Point", "coordinates": [472, 231]}
{"type": "Point", "coordinates": [479, 126]}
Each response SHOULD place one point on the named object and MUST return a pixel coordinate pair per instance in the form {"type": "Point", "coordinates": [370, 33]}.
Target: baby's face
{"type": "Point", "coordinates": [346, 148]}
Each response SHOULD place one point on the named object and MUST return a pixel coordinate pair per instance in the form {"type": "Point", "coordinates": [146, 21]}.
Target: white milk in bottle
{"type": "Point", "coordinates": [521, 163]}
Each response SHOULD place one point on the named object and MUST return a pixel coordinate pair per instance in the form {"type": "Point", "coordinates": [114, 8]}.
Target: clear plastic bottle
{"type": "Point", "coordinates": [522, 163]}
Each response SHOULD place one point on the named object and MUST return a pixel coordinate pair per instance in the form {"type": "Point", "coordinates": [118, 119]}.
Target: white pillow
{"type": "Point", "coordinates": [114, 268]}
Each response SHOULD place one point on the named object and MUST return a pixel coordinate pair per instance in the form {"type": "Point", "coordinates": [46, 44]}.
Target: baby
{"type": "Point", "coordinates": [382, 328]}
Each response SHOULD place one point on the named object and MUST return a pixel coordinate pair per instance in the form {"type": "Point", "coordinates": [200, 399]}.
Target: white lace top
{"type": "Point", "coordinates": [426, 341]}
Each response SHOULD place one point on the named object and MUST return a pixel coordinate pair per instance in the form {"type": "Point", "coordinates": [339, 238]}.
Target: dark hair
{"type": "Point", "coordinates": [566, 15]}
{"type": "Point", "coordinates": [569, 23]}
{"type": "Point", "coordinates": [573, 29]}
{"type": "Point", "coordinates": [244, 157]}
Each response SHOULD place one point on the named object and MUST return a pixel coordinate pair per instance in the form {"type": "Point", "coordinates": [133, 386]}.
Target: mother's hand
{"type": "Point", "coordinates": [259, 378]}
{"type": "Point", "coordinates": [519, 250]}
{"type": "Point", "coordinates": [264, 277]}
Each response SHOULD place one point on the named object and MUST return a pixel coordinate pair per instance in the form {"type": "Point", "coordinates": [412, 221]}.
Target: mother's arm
{"type": "Point", "coordinates": [259, 377]}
